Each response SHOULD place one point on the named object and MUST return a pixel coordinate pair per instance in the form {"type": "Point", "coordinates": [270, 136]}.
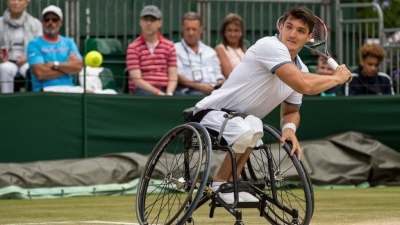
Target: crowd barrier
{"type": "Point", "coordinates": [51, 126]}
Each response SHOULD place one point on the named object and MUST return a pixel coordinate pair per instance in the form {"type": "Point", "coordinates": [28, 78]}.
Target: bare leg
{"type": "Point", "coordinates": [225, 171]}
{"type": "Point", "coordinates": [240, 162]}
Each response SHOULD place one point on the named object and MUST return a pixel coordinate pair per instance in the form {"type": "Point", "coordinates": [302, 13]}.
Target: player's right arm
{"type": "Point", "coordinates": [310, 84]}
{"type": "Point", "coordinates": [275, 56]}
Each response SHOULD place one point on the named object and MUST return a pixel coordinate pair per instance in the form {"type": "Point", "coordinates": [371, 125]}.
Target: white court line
{"type": "Point", "coordinates": [107, 222]}
{"type": "Point", "coordinates": [75, 222]}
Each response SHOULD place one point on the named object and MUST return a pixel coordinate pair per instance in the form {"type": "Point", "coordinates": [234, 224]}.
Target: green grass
{"type": "Point", "coordinates": [377, 206]}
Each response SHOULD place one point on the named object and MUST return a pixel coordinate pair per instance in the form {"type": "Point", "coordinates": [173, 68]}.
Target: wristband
{"type": "Point", "coordinates": [289, 125]}
{"type": "Point", "coordinates": [169, 94]}
{"type": "Point", "coordinates": [156, 92]}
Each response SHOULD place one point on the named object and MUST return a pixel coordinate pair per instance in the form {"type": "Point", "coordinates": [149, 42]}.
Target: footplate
{"type": "Point", "coordinates": [242, 186]}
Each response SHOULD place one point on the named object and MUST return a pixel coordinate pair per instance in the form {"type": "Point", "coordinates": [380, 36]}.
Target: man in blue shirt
{"type": "Point", "coordinates": [52, 57]}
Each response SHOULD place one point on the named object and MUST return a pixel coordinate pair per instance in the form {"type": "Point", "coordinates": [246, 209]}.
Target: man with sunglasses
{"type": "Point", "coordinates": [52, 57]}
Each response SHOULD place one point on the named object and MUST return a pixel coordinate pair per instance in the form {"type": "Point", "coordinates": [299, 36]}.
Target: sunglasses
{"type": "Point", "coordinates": [55, 20]}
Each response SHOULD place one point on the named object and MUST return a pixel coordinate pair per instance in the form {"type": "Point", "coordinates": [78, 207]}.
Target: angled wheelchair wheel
{"type": "Point", "coordinates": [283, 181]}
{"type": "Point", "coordinates": [175, 176]}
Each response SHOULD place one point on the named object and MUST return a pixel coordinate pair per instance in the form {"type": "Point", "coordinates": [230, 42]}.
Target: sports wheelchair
{"type": "Point", "coordinates": [176, 179]}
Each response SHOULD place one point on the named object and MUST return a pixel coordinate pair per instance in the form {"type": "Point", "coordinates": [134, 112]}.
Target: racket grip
{"type": "Point", "coordinates": [332, 63]}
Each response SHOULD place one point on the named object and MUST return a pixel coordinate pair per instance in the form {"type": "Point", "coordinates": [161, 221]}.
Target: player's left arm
{"type": "Point", "coordinates": [310, 84]}
{"type": "Point", "coordinates": [290, 121]}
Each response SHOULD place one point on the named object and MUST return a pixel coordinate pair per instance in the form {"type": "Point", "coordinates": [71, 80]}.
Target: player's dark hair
{"type": "Point", "coordinates": [301, 13]}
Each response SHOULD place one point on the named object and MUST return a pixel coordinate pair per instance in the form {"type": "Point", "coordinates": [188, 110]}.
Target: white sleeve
{"type": "Point", "coordinates": [294, 99]}
{"type": "Point", "coordinates": [272, 53]}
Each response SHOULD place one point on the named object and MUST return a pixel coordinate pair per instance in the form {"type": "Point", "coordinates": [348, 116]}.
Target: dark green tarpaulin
{"type": "Point", "coordinates": [349, 159]}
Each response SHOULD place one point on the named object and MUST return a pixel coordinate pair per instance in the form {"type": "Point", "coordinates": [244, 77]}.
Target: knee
{"type": "Point", "coordinates": [256, 137]}
{"type": "Point", "coordinates": [255, 122]}
{"type": "Point", "coordinates": [244, 141]}
{"type": "Point", "coordinates": [6, 71]}
{"type": "Point", "coordinates": [256, 125]}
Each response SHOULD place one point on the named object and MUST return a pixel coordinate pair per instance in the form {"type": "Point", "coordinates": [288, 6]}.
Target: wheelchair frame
{"type": "Point", "coordinates": [175, 181]}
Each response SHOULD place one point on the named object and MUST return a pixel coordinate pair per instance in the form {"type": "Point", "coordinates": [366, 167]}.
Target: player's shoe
{"type": "Point", "coordinates": [247, 197]}
{"type": "Point", "coordinates": [227, 197]}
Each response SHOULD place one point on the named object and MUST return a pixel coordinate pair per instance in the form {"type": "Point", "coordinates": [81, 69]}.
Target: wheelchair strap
{"type": "Point", "coordinates": [200, 115]}
{"type": "Point", "coordinates": [230, 114]}
{"type": "Point", "coordinates": [227, 117]}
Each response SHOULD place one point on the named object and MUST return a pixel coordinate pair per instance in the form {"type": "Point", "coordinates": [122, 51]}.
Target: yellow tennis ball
{"type": "Point", "coordinates": [93, 59]}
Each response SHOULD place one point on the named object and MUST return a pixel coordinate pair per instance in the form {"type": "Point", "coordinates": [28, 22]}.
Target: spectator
{"type": "Point", "coordinates": [151, 58]}
{"type": "Point", "coordinates": [232, 48]}
{"type": "Point", "coordinates": [323, 68]}
{"type": "Point", "coordinates": [199, 69]}
{"type": "Point", "coordinates": [272, 75]}
{"type": "Point", "coordinates": [368, 81]}
{"type": "Point", "coordinates": [17, 28]}
{"type": "Point", "coordinates": [52, 57]}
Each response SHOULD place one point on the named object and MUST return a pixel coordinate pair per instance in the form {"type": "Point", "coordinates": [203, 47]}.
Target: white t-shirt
{"type": "Point", "coordinates": [252, 87]}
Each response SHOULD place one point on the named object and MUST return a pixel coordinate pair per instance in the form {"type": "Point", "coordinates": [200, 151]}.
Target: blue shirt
{"type": "Point", "coordinates": [44, 51]}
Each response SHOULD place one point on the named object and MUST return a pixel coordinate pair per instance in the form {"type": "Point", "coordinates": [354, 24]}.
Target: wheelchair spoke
{"type": "Point", "coordinates": [166, 191]}
{"type": "Point", "coordinates": [287, 194]}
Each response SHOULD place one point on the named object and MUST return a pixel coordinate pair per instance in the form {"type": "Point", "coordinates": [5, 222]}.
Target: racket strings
{"type": "Point", "coordinates": [319, 35]}
{"type": "Point", "coordinates": [319, 32]}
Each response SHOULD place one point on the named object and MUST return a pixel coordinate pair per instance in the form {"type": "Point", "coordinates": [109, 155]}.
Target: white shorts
{"type": "Point", "coordinates": [234, 127]}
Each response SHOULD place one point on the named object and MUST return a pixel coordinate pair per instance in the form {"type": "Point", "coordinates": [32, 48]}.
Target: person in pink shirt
{"type": "Point", "coordinates": [151, 58]}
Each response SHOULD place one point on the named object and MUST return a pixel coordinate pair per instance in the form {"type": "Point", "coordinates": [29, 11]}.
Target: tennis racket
{"type": "Point", "coordinates": [318, 43]}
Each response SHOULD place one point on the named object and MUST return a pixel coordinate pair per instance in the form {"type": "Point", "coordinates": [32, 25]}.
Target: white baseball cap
{"type": "Point", "coordinates": [53, 9]}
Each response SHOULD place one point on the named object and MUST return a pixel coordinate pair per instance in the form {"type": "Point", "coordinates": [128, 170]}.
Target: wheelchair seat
{"type": "Point", "coordinates": [188, 117]}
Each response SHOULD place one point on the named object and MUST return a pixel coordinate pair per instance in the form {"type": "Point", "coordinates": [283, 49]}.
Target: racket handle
{"type": "Point", "coordinates": [332, 63]}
